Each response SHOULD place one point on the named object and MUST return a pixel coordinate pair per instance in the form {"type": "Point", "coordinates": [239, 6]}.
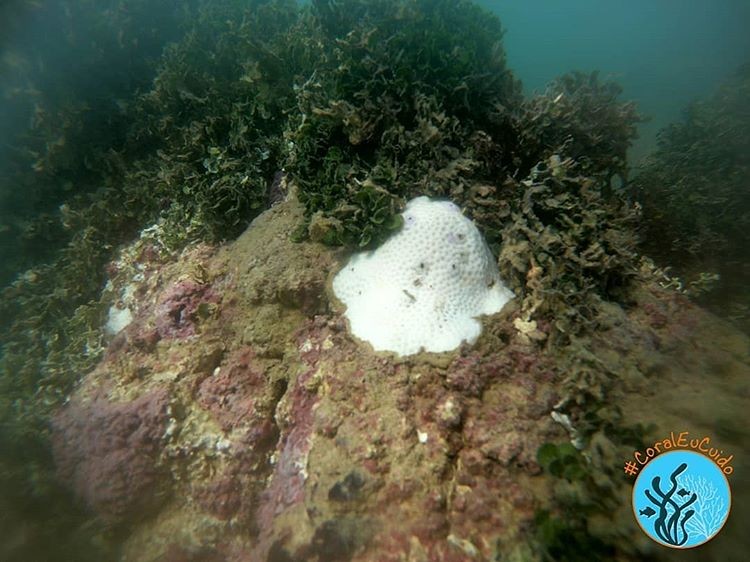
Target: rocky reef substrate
{"type": "Point", "coordinates": [236, 419]}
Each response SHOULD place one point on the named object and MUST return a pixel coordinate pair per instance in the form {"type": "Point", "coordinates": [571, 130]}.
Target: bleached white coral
{"type": "Point", "coordinates": [425, 286]}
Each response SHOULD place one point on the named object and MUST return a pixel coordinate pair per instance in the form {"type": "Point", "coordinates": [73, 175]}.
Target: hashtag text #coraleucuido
{"type": "Point", "coordinates": [680, 441]}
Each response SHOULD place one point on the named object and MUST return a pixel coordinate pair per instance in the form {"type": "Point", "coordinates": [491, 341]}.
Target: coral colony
{"type": "Point", "coordinates": [425, 287]}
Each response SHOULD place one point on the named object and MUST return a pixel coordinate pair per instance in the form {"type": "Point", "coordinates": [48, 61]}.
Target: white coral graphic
{"type": "Point", "coordinates": [709, 507]}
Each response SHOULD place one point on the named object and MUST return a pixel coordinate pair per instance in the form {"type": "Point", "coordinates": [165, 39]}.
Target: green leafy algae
{"type": "Point", "coordinates": [696, 209]}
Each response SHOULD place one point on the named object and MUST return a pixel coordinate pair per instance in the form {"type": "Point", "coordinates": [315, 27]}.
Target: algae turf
{"type": "Point", "coordinates": [65, 88]}
{"type": "Point", "coordinates": [694, 194]}
{"type": "Point", "coordinates": [403, 87]}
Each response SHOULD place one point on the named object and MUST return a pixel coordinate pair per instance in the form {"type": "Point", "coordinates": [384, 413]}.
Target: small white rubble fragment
{"type": "Point", "coordinates": [117, 320]}
{"type": "Point", "coordinates": [564, 420]}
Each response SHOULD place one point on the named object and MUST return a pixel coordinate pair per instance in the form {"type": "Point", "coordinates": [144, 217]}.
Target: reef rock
{"type": "Point", "coordinates": [236, 419]}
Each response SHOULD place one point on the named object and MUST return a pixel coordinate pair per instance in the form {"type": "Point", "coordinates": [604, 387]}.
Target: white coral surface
{"type": "Point", "coordinates": [425, 287]}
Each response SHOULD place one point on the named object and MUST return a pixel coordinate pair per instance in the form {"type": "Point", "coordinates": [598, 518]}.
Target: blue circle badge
{"type": "Point", "coordinates": [681, 499]}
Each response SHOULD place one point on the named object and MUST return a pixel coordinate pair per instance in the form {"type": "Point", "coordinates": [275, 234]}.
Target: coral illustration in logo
{"type": "Point", "coordinates": [681, 499]}
{"type": "Point", "coordinates": [710, 508]}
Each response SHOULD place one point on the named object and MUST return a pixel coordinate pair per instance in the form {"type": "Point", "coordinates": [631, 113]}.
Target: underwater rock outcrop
{"type": "Point", "coordinates": [108, 453]}
{"type": "Point", "coordinates": [266, 432]}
